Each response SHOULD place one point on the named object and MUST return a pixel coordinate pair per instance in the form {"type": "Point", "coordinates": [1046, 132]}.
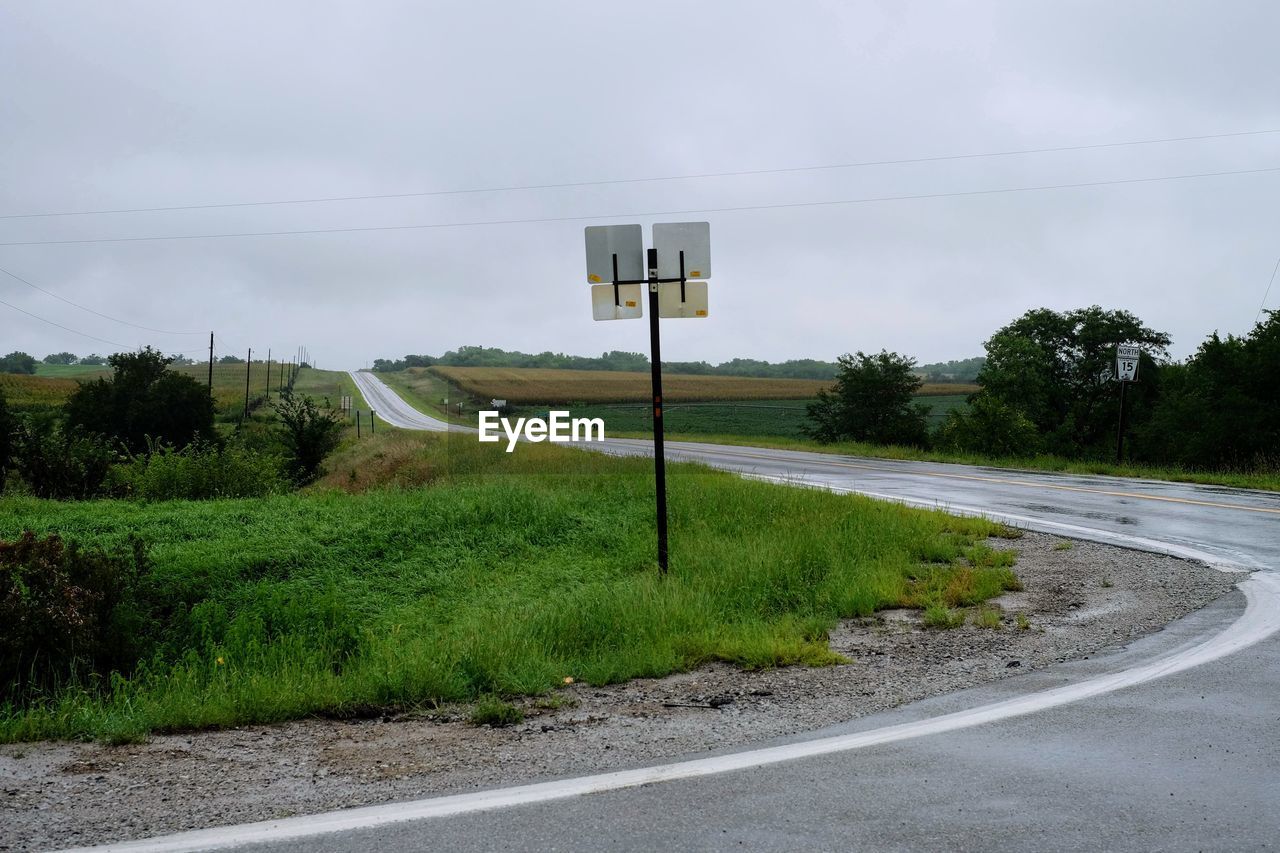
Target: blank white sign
{"type": "Point", "coordinates": [692, 238]}
{"type": "Point", "coordinates": [694, 305]}
{"type": "Point", "coordinates": [628, 306]}
{"type": "Point", "coordinates": [605, 241]}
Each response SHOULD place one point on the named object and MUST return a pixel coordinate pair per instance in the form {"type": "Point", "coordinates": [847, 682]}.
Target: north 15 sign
{"type": "Point", "coordinates": [1127, 358]}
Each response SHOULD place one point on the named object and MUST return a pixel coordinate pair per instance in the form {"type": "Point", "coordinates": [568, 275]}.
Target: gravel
{"type": "Point", "coordinates": [1079, 598]}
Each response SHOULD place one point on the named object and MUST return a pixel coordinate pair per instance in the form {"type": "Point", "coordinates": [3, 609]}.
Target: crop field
{"type": "Point", "coordinates": [73, 371]}
{"type": "Point", "coordinates": [31, 393]}
{"type": "Point", "coordinates": [506, 576]}
{"type": "Point", "coordinates": [532, 386]}
{"type": "Point", "coordinates": [732, 417]}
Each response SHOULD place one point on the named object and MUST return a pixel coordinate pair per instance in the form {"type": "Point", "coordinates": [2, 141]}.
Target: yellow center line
{"type": "Point", "coordinates": [1025, 483]}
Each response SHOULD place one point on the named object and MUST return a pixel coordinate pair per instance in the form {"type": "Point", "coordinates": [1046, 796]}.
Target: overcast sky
{"type": "Point", "coordinates": [129, 104]}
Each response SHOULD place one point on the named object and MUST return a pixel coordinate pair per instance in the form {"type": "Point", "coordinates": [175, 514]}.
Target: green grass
{"type": "Point", "coordinates": [428, 393]}
{"type": "Point", "coordinates": [73, 371]}
{"type": "Point", "coordinates": [1267, 480]}
{"type": "Point", "coordinates": [511, 574]}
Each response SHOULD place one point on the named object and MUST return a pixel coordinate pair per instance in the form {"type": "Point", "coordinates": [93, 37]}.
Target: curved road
{"type": "Point", "coordinates": [1172, 743]}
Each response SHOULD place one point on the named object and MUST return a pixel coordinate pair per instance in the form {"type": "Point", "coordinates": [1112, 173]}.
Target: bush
{"type": "Point", "coordinates": [144, 401]}
{"type": "Point", "coordinates": [309, 432]}
{"type": "Point", "coordinates": [990, 427]}
{"type": "Point", "coordinates": [66, 611]}
{"type": "Point", "coordinates": [62, 462]}
{"type": "Point", "coordinates": [872, 401]}
{"type": "Point", "coordinates": [198, 471]}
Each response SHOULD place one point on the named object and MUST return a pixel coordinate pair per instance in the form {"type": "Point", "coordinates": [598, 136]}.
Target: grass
{"type": "Point", "coordinates": [535, 386]}
{"type": "Point", "coordinates": [1267, 480]}
{"type": "Point", "coordinates": [492, 711]}
{"type": "Point", "coordinates": [432, 395]}
{"type": "Point", "coordinates": [509, 575]}
{"type": "Point", "coordinates": [73, 371]}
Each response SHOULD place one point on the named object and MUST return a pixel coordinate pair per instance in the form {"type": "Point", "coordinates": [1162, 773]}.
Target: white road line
{"type": "Point", "coordinates": [1260, 620]}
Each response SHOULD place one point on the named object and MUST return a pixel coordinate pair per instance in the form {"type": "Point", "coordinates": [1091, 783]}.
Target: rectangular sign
{"type": "Point", "coordinates": [626, 304]}
{"type": "Point", "coordinates": [692, 238]}
{"type": "Point", "coordinates": [1127, 359]}
{"type": "Point", "coordinates": [606, 241]}
{"type": "Point", "coordinates": [694, 304]}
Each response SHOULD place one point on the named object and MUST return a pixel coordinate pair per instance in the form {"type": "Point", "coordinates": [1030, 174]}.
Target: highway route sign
{"type": "Point", "coordinates": [1127, 358]}
{"type": "Point", "coordinates": [606, 241]}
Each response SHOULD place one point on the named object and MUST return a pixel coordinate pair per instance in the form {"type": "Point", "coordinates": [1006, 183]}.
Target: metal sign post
{"type": "Point", "coordinates": [616, 263]}
{"type": "Point", "coordinates": [1127, 360]}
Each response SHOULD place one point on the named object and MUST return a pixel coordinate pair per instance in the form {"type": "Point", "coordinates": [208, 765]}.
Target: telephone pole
{"type": "Point", "coordinates": [211, 364]}
{"type": "Point", "coordinates": [248, 371]}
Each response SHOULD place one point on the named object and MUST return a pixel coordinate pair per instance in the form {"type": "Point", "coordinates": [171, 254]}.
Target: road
{"type": "Point", "coordinates": [1172, 743]}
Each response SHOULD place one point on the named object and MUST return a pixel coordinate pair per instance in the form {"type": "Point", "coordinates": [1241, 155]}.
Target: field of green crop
{"type": "Point", "coordinates": [508, 575]}
{"type": "Point", "coordinates": [737, 417]}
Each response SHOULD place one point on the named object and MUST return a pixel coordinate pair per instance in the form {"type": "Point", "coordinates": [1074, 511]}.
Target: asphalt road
{"type": "Point", "coordinates": [1170, 744]}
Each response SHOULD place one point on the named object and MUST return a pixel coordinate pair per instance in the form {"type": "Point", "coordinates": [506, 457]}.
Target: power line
{"type": "Point", "coordinates": [90, 310]}
{"type": "Point", "coordinates": [65, 328]}
{"type": "Point", "coordinates": [686, 177]}
{"type": "Point", "coordinates": [703, 210]}
{"type": "Point", "coordinates": [1268, 293]}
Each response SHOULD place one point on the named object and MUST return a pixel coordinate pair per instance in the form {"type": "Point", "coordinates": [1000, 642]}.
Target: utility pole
{"type": "Point", "coordinates": [267, 390]}
{"type": "Point", "coordinates": [248, 371]}
{"type": "Point", "coordinates": [211, 364]}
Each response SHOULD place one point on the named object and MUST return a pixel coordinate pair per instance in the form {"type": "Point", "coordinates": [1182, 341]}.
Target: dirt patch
{"type": "Point", "coordinates": [1078, 599]}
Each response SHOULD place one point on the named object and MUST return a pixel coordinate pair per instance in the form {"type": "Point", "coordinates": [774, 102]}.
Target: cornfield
{"type": "Point", "coordinates": [526, 386]}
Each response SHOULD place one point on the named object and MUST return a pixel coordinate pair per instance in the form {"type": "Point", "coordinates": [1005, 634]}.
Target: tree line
{"type": "Point", "coordinates": [1047, 387]}
{"type": "Point", "coordinates": [801, 368]}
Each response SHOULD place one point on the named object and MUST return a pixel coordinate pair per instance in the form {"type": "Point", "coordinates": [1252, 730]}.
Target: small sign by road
{"type": "Point", "coordinates": [1127, 358]}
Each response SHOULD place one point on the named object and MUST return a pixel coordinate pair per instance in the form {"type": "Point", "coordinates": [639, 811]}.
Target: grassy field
{"type": "Point", "coordinates": [432, 395]}
{"type": "Point", "coordinates": [73, 371]}
{"type": "Point", "coordinates": [509, 575]}
{"type": "Point", "coordinates": [53, 384]}
{"type": "Point", "coordinates": [530, 386]}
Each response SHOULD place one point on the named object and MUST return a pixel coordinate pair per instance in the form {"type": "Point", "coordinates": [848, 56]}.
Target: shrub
{"type": "Point", "coordinates": [144, 401]}
{"type": "Point", "coordinates": [67, 611]}
{"type": "Point", "coordinates": [62, 462]}
{"type": "Point", "coordinates": [872, 401]}
{"type": "Point", "coordinates": [990, 427]}
{"type": "Point", "coordinates": [199, 470]}
{"type": "Point", "coordinates": [309, 432]}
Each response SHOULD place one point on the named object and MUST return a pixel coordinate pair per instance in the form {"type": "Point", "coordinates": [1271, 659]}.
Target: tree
{"type": "Point", "coordinates": [309, 432]}
{"type": "Point", "coordinates": [231, 359]}
{"type": "Point", "coordinates": [94, 359]}
{"type": "Point", "coordinates": [872, 401]}
{"type": "Point", "coordinates": [989, 427]}
{"type": "Point", "coordinates": [1054, 368]}
{"type": "Point", "coordinates": [143, 400]}
{"type": "Point", "coordinates": [60, 358]}
{"type": "Point", "coordinates": [1222, 408]}
{"type": "Point", "coordinates": [18, 362]}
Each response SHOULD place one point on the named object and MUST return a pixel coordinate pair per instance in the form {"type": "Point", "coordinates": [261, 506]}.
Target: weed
{"type": "Point", "coordinates": [1024, 624]}
{"type": "Point", "coordinates": [492, 711]}
{"type": "Point", "coordinates": [1062, 546]}
{"type": "Point", "coordinates": [942, 617]}
{"type": "Point", "coordinates": [987, 617]}
{"type": "Point", "coordinates": [1106, 583]}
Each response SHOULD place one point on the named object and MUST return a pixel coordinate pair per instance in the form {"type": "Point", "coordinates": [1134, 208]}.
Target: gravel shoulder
{"type": "Point", "coordinates": [1079, 599]}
